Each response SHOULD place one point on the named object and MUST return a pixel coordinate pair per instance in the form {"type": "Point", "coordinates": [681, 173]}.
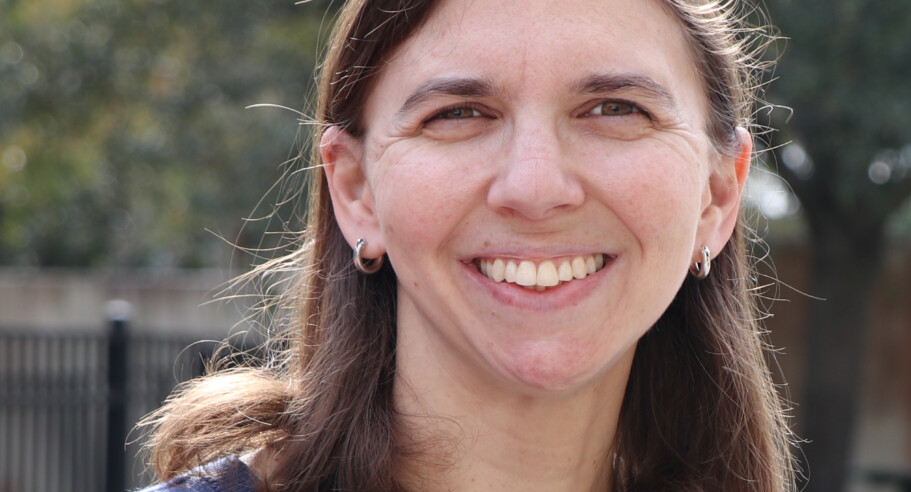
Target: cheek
{"type": "Point", "coordinates": [656, 192]}
{"type": "Point", "coordinates": [421, 196]}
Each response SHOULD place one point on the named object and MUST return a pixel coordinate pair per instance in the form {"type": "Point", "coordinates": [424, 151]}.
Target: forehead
{"type": "Point", "coordinates": [563, 21]}
{"type": "Point", "coordinates": [513, 42]}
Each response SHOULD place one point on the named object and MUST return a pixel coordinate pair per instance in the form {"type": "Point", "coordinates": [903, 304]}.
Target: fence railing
{"type": "Point", "coordinates": [68, 401]}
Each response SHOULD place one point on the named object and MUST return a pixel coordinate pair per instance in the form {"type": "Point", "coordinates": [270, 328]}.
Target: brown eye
{"type": "Point", "coordinates": [614, 108]}
{"type": "Point", "coordinates": [458, 113]}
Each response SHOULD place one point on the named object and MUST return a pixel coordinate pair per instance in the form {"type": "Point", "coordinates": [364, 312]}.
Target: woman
{"type": "Point", "coordinates": [548, 289]}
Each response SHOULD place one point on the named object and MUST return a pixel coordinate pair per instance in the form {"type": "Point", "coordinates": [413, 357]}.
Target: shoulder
{"type": "Point", "coordinates": [225, 475]}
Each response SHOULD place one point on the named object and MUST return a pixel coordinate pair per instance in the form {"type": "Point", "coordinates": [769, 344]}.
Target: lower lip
{"type": "Point", "coordinates": [562, 296]}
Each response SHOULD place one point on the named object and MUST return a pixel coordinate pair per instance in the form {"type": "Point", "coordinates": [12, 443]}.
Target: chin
{"type": "Point", "coordinates": [559, 371]}
{"type": "Point", "coordinates": [551, 384]}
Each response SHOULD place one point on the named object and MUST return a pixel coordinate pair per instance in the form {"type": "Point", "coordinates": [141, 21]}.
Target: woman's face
{"type": "Point", "coordinates": [545, 135]}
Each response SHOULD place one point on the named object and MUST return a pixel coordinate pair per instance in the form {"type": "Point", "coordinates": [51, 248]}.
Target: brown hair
{"type": "Point", "coordinates": [700, 411]}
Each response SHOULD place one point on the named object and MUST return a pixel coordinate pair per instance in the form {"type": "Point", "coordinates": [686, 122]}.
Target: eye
{"type": "Point", "coordinates": [457, 122]}
{"type": "Point", "coordinates": [615, 108]}
{"type": "Point", "coordinates": [456, 113]}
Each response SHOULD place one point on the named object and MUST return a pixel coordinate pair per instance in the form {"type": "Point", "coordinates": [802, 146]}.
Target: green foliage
{"type": "Point", "coordinates": [845, 69]}
{"type": "Point", "coordinates": [123, 134]}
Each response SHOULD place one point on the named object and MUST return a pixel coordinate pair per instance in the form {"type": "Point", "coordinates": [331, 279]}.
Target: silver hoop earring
{"type": "Point", "coordinates": [365, 265]}
{"type": "Point", "coordinates": [701, 270]}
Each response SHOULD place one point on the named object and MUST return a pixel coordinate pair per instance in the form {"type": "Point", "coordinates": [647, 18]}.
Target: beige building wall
{"type": "Point", "coordinates": [168, 301]}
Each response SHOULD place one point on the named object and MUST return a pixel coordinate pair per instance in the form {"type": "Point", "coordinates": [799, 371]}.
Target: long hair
{"type": "Point", "coordinates": [700, 411]}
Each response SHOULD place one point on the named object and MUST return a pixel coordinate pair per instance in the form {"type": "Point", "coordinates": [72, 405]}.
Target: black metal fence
{"type": "Point", "coordinates": [69, 399]}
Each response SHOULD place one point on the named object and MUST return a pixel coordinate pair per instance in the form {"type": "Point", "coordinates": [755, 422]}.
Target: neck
{"type": "Point", "coordinates": [473, 435]}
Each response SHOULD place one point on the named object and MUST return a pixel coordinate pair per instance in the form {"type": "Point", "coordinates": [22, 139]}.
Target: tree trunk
{"type": "Point", "coordinates": [846, 262]}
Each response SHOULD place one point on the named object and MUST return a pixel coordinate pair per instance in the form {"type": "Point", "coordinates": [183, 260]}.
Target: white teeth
{"type": "Point", "coordinates": [527, 274]}
{"type": "Point", "coordinates": [547, 274]}
{"type": "Point", "coordinates": [590, 265]}
{"type": "Point", "coordinates": [544, 275]}
{"type": "Point", "coordinates": [510, 274]}
{"type": "Point", "coordinates": [579, 270]}
{"type": "Point", "coordinates": [497, 270]}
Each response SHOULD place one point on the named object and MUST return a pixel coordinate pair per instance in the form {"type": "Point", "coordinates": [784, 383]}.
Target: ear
{"type": "Point", "coordinates": [352, 196]}
{"type": "Point", "coordinates": [721, 204]}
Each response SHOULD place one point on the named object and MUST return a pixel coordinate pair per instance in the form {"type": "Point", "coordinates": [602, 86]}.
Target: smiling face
{"type": "Point", "coordinates": [539, 175]}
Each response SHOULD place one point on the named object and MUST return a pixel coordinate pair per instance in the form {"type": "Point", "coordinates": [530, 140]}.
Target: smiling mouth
{"type": "Point", "coordinates": [542, 275]}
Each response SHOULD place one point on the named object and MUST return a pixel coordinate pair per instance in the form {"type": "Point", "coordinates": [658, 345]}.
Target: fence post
{"type": "Point", "coordinates": [118, 314]}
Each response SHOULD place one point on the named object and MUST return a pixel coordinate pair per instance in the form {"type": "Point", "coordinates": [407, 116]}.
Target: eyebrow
{"type": "Point", "coordinates": [457, 86]}
{"type": "Point", "coordinates": [471, 87]}
{"type": "Point", "coordinates": [613, 82]}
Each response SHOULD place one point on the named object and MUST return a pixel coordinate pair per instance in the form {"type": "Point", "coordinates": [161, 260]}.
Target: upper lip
{"type": "Point", "coordinates": [537, 258]}
{"type": "Point", "coordinates": [536, 255]}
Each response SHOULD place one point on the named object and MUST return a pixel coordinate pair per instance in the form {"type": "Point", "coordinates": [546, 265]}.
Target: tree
{"type": "Point", "coordinates": [122, 130]}
{"type": "Point", "coordinates": [846, 153]}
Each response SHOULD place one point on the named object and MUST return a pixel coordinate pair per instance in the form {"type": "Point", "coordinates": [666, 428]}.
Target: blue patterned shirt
{"type": "Point", "coordinates": [225, 475]}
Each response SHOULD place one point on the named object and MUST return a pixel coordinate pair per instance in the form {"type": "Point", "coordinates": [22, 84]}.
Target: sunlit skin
{"type": "Point", "coordinates": [531, 130]}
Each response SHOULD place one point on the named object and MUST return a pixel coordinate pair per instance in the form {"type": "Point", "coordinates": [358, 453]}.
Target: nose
{"type": "Point", "coordinates": [536, 179]}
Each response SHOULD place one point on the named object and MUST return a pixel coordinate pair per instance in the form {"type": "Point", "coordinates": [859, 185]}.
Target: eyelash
{"type": "Point", "coordinates": [635, 109]}
{"type": "Point", "coordinates": [439, 114]}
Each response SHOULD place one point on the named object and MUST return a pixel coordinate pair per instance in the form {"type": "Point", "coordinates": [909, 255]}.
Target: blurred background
{"type": "Point", "coordinates": [129, 166]}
